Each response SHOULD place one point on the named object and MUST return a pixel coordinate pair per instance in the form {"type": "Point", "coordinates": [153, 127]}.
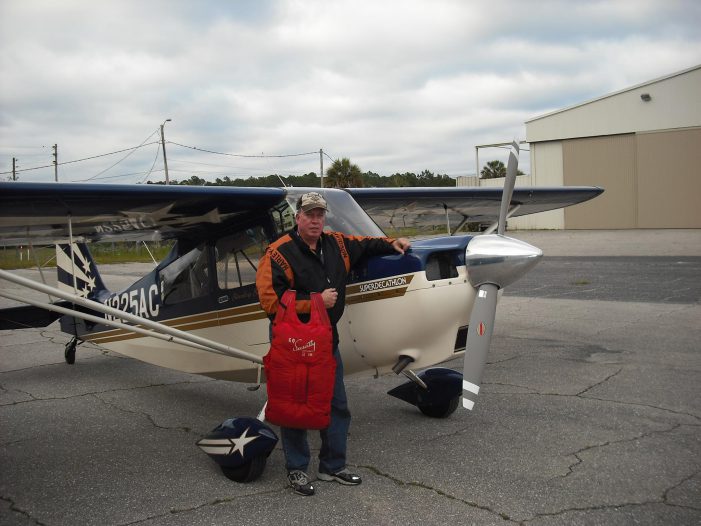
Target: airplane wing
{"type": "Point", "coordinates": [46, 213]}
{"type": "Point", "coordinates": [415, 207]}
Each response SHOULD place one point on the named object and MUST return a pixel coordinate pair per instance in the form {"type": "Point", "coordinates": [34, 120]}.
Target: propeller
{"type": "Point", "coordinates": [493, 262]}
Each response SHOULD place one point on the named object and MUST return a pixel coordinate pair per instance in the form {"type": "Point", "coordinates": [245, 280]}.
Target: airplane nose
{"type": "Point", "coordinates": [499, 260]}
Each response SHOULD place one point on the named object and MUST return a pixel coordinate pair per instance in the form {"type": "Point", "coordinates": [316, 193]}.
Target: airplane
{"type": "Point", "coordinates": [197, 311]}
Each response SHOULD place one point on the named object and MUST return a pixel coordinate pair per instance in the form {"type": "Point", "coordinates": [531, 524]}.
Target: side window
{"type": "Point", "coordinates": [238, 256]}
{"type": "Point", "coordinates": [185, 278]}
{"type": "Point", "coordinates": [283, 216]}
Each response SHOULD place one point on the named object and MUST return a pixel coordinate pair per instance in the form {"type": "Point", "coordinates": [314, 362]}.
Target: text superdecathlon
{"type": "Point", "coordinates": [383, 284]}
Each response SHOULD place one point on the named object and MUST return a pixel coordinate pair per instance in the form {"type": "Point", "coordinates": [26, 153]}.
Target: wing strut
{"type": "Point", "coordinates": [157, 328]}
{"type": "Point", "coordinates": [112, 323]}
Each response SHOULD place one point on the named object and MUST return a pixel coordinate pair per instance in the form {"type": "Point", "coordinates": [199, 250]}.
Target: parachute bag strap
{"type": "Point", "coordinates": [342, 247]}
{"type": "Point", "coordinates": [287, 309]}
{"type": "Point", "coordinates": [319, 314]}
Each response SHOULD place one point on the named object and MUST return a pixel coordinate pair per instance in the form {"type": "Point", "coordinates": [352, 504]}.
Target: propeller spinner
{"type": "Point", "coordinates": [493, 262]}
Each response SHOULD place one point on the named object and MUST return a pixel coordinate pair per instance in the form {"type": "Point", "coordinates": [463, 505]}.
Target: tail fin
{"type": "Point", "coordinates": [78, 274]}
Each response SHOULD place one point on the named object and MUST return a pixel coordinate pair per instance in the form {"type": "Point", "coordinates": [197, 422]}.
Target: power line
{"type": "Point", "coordinates": [143, 144]}
{"type": "Point", "coordinates": [238, 154]}
{"type": "Point", "coordinates": [127, 155]}
{"type": "Point", "coordinates": [152, 165]}
{"type": "Point", "coordinates": [85, 159]}
{"type": "Point", "coordinates": [120, 175]}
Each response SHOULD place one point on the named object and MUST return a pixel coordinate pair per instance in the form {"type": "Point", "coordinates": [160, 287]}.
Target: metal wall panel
{"type": "Point", "coordinates": [609, 162]}
{"type": "Point", "coordinates": [669, 179]}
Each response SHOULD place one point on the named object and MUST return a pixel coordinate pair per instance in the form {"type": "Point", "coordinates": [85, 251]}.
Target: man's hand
{"type": "Point", "coordinates": [401, 245]}
{"type": "Point", "coordinates": [329, 296]}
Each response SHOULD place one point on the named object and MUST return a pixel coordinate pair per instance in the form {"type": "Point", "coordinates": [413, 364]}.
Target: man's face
{"type": "Point", "coordinates": [310, 224]}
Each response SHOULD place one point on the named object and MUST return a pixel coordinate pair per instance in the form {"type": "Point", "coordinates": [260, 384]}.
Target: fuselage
{"type": "Point", "coordinates": [415, 305]}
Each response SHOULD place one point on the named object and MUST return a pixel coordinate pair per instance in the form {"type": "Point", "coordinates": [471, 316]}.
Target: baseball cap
{"type": "Point", "coordinates": [311, 200]}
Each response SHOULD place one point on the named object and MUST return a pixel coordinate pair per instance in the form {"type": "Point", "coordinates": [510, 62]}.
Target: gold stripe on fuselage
{"type": "Point", "coordinates": [188, 323]}
{"type": "Point", "coordinates": [358, 293]}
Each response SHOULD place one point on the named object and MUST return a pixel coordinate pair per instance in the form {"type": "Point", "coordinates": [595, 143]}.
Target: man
{"type": "Point", "coordinates": [309, 260]}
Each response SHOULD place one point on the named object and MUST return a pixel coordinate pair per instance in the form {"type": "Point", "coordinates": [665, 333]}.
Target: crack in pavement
{"type": "Point", "coordinates": [437, 491]}
{"type": "Point", "coordinates": [30, 395]}
{"type": "Point", "coordinates": [682, 481]}
{"type": "Point", "coordinates": [617, 506]}
{"type": "Point", "coordinates": [52, 336]}
{"type": "Point", "coordinates": [13, 442]}
{"type": "Point", "coordinates": [17, 509]}
{"type": "Point", "coordinates": [143, 413]}
{"type": "Point", "coordinates": [215, 502]}
{"type": "Point", "coordinates": [582, 394]}
{"type": "Point", "coordinates": [638, 404]}
{"type": "Point", "coordinates": [572, 467]}
{"type": "Point", "coordinates": [103, 352]}
{"type": "Point", "coordinates": [600, 383]}
{"type": "Point", "coordinates": [35, 399]}
{"type": "Point", "coordinates": [32, 367]}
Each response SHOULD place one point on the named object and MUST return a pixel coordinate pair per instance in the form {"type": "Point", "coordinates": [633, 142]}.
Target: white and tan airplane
{"type": "Point", "coordinates": [198, 310]}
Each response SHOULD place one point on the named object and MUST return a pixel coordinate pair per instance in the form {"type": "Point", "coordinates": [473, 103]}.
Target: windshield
{"type": "Point", "coordinates": [343, 214]}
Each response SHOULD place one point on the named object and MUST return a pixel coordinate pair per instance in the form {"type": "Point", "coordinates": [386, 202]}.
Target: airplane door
{"type": "Point", "coordinates": [186, 290]}
{"type": "Point", "coordinates": [237, 256]}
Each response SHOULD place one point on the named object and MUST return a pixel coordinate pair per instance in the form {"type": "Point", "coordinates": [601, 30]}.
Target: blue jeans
{"type": "Point", "coordinates": [332, 457]}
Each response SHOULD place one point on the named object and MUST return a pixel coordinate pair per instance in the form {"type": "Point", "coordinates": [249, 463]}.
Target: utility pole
{"type": "Point", "coordinates": [14, 166]}
{"type": "Point", "coordinates": [55, 148]}
{"type": "Point", "coordinates": [321, 164]}
{"type": "Point", "coordinates": [163, 145]}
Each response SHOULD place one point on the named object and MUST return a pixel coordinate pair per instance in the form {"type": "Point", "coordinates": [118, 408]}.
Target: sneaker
{"type": "Point", "coordinates": [299, 481]}
{"type": "Point", "coordinates": [343, 476]}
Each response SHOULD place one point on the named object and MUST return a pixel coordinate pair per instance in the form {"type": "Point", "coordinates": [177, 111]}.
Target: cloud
{"type": "Point", "coordinates": [394, 86]}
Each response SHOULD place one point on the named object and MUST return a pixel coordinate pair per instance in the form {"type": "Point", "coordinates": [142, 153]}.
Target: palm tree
{"type": "Point", "coordinates": [493, 170]}
{"type": "Point", "coordinates": [344, 174]}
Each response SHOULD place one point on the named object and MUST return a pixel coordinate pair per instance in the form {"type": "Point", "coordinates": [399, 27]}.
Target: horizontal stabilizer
{"type": "Point", "coordinates": [28, 317]}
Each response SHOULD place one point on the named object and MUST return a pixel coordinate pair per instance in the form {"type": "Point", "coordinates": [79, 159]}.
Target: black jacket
{"type": "Point", "coordinates": [289, 263]}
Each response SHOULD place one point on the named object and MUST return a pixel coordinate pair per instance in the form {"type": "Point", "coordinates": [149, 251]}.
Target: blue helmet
{"type": "Point", "coordinates": [240, 446]}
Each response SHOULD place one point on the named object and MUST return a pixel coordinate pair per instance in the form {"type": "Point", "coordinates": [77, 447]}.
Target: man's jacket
{"type": "Point", "coordinates": [289, 263]}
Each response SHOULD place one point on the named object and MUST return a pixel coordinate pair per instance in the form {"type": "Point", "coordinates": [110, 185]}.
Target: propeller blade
{"type": "Point", "coordinates": [479, 335]}
{"type": "Point", "coordinates": [511, 171]}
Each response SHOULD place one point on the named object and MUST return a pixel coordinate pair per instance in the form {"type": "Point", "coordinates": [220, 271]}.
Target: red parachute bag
{"type": "Point", "coordinates": [300, 367]}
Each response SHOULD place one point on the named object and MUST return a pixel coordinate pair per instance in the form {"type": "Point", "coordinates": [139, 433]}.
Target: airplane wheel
{"type": "Point", "coordinates": [248, 472]}
{"type": "Point", "coordinates": [69, 353]}
{"type": "Point", "coordinates": [442, 410]}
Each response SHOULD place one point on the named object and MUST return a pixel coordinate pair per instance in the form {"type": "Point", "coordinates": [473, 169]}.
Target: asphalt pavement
{"type": "Point", "coordinates": [590, 413]}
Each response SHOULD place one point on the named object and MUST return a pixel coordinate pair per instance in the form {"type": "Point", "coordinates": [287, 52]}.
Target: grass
{"type": "Point", "coordinates": [103, 253]}
{"type": "Point", "coordinates": [582, 281]}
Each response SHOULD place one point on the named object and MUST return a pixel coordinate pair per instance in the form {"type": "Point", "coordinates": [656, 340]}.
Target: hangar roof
{"type": "Point", "coordinates": [674, 102]}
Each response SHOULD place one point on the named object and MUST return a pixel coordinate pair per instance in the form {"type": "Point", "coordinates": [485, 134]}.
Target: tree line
{"type": "Point", "coordinates": [341, 174]}
{"type": "Point", "coordinates": [345, 174]}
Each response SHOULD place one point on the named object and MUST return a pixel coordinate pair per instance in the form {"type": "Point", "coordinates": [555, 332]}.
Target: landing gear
{"type": "Point", "coordinates": [441, 410]}
{"type": "Point", "coordinates": [69, 352]}
{"type": "Point", "coordinates": [248, 472]}
{"type": "Point", "coordinates": [436, 392]}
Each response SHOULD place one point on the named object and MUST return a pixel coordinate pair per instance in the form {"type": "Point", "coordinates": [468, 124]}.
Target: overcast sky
{"type": "Point", "coordinates": [396, 86]}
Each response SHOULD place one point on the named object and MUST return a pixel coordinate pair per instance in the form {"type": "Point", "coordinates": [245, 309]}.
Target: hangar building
{"type": "Point", "coordinates": [641, 144]}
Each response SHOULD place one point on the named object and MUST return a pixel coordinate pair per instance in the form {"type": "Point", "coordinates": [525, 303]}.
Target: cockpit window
{"type": "Point", "coordinates": [343, 215]}
{"type": "Point", "coordinates": [238, 256]}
